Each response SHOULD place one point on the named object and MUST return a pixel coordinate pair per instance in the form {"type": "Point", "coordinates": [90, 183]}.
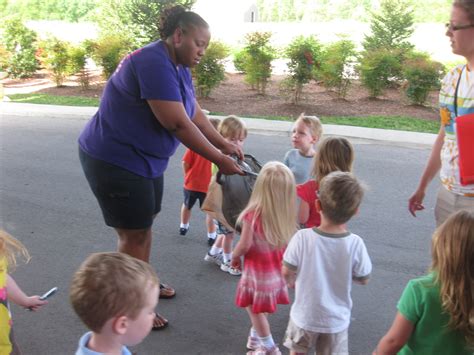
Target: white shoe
{"type": "Point", "coordinates": [253, 343]}
{"type": "Point", "coordinates": [216, 259]}
{"type": "Point", "coordinates": [227, 267]}
{"type": "Point", "coordinates": [265, 351]}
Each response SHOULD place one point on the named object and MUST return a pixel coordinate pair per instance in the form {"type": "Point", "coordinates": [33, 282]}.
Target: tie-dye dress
{"type": "Point", "coordinates": [5, 316]}
{"type": "Point", "coordinates": [262, 285]}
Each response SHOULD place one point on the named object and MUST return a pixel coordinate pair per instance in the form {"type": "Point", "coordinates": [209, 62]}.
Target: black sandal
{"type": "Point", "coordinates": [160, 327]}
{"type": "Point", "coordinates": [165, 295]}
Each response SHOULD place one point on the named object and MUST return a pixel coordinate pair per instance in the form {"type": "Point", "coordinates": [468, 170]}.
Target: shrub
{"type": "Point", "coordinates": [377, 69]}
{"type": "Point", "coordinates": [258, 63]}
{"type": "Point", "coordinates": [422, 75]}
{"type": "Point", "coordinates": [78, 57]}
{"type": "Point", "coordinates": [240, 58]}
{"type": "Point", "coordinates": [336, 71]}
{"type": "Point", "coordinates": [4, 58]}
{"type": "Point", "coordinates": [210, 71]}
{"type": "Point", "coordinates": [57, 60]}
{"type": "Point", "coordinates": [304, 54]}
{"type": "Point", "coordinates": [391, 27]}
{"type": "Point", "coordinates": [108, 52]}
{"type": "Point", "coordinates": [21, 43]}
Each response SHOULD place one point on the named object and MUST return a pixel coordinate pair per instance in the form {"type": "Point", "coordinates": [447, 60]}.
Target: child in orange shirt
{"type": "Point", "coordinates": [197, 175]}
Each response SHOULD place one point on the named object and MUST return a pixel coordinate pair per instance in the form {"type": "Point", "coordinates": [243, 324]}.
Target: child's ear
{"type": "Point", "coordinates": [120, 325]}
{"type": "Point", "coordinates": [317, 204]}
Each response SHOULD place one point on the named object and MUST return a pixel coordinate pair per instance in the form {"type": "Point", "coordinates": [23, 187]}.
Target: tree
{"type": "Point", "coordinates": [136, 20]}
{"type": "Point", "coordinates": [391, 26]}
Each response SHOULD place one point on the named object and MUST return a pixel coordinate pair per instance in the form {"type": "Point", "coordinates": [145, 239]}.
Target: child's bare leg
{"type": "Point", "coordinates": [227, 243]}
{"type": "Point", "coordinates": [185, 214]}
{"type": "Point", "coordinates": [211, 226]}
{"type": "Point", "coordinates": [259, 323]}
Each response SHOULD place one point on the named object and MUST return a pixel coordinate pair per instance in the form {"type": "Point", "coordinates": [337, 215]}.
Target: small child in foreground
{"type": "Point", "coordinates": [115, 295]}
{"type": "Point", "coordinates": [197, 175]}
{"type": "Point", "coordinates": [268, 222]}
{"type": "Point", "coordinates": [436, 311]}
{"type": "Point", "coordinates": [307, 132]}
{"type": "Point", "coordinates": [321, 264]}
{"type": "Point", "coordinates": [10, 291]}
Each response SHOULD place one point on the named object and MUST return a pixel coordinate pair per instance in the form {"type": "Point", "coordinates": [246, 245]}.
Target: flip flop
{"type": "Point", "coordinates": [160, 327]}
{"type": "Point", "coordinates": [166, 287]}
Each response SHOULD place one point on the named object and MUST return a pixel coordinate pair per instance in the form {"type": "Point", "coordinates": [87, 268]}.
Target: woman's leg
{"type": "Point", "coordinates": [135, 242]}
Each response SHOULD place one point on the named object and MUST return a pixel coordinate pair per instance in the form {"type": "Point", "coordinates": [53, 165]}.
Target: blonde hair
{"type": "Point", "coordinates": [273, 200]}
{"type": "Point", "coordinates": [340, 195]}
{"type": "Point", "coordinates": [232, 126]}
{"type": "Point", "coordinates": [10, 248]}
{"type": "Point", "coordinates": [111, 284]}
{"type": "Point", "coordinates": [467, 6]}
{"type": "Point", "coordinates": [313, 123]}
{"type": "Point", "coordinates": [334, 153]}
{"type": "Point", "coordinates": [215, 122]}
{"type": "Point", "coordinates": [453, 266]}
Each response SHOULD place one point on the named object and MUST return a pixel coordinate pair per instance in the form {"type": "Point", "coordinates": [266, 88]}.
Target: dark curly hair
{"type": "Point", "coordinates": [177, 16]}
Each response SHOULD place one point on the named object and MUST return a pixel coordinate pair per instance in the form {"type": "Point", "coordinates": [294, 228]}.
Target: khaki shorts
{"type": "Point", "coordinates": [448, 203]}
{"type": "Point", "coordinates": [301, 341]}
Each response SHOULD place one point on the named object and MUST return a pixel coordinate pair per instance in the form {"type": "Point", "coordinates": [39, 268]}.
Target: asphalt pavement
{"type": "Point", "coordinates": [46, 203]}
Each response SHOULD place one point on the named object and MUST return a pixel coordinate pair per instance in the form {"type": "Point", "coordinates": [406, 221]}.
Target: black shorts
{"type": "Point", "coordinates": [190, 198]}
{"type": "Point", "coordinates": [127, 200]}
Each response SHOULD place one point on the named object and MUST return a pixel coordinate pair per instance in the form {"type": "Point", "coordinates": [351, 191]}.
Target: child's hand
{"type": "Point", "coordinates": [33, 303]}
{"type": "Point", "coordinates": [290, 284]}
{"type": "Point", "coordinates": [236, 262]}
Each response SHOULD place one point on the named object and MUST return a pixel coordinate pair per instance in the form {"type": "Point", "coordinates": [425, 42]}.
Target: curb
{"type": "Point", "coordinates": [255, 125]}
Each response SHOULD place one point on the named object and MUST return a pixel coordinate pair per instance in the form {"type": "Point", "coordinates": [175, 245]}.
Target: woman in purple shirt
{"type": "Point", "coordinates": [147, 108]}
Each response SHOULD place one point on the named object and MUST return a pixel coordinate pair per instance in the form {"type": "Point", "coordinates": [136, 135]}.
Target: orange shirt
{"type": "Point", "coordinates": [198, 176]}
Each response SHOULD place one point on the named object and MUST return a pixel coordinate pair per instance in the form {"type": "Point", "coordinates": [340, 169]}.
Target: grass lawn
{"type": "Point", "coordinates": [55, 100]}
{"type": "Point", "coordinates": [400, 123]}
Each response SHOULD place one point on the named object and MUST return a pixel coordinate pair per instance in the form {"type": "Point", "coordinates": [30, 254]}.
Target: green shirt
{"type": "Point", "coordinates": [421, 305]}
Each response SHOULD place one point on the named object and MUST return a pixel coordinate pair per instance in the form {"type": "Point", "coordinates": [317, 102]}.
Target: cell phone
{"type": "Point", "coordinates": [48, 294]}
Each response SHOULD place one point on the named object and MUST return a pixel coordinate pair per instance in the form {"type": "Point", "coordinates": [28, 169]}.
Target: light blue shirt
{"type": "Point", "coordinates": [299, 165]}
{"type": "Point", "coordinates": [84, 350]}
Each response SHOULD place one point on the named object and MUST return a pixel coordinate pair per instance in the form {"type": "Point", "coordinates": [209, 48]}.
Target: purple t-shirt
{"type": "Point", "coordinates": [124, 131]}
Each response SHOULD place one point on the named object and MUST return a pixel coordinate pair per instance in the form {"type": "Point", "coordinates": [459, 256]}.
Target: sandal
{"type": "Point", "coordinates": [166, 291]}
{"type": "Point", "coordinates": [164, 323]}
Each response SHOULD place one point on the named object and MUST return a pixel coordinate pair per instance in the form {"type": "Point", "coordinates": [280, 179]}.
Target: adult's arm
{"type": "Point", "coordinates": [415, 203]}
{"type": "Point", "coordinates": [174, 118]}
{"type": "Point", "coordinates": [208, 130]}
{"type": "Point", "coordinates": [396, 337]}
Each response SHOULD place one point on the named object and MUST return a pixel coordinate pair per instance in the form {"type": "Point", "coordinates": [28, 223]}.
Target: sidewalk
{"type": "Point", "coordinates": [255, 125]}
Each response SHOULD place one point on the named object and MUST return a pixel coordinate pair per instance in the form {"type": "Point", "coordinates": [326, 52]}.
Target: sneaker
{"type": "Point", "coordinates": [216, 259]}
{"type": "Point", "coordinates": [227, 267]}
{"type": "Point", "coordinates": [264, 351]}
{"type": "Point", "coordinates": [253, 343]}
{"type": "Point", "coordinates": [183, 231]}
{"type": "Point", "coordinates": [210, 242]}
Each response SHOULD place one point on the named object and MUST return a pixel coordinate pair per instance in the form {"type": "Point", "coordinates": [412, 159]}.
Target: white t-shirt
{"type": "Point", "coordinates": [325, 265]}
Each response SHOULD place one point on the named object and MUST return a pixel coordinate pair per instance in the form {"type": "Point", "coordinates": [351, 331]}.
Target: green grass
{"type": "Point", "coordinates": [400, 123]}
{"type": "Point", "coordinates": [55, 99]}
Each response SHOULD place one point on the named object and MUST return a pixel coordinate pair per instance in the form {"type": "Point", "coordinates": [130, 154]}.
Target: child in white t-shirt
{"type": "Point", "coordinates": [322, 263]}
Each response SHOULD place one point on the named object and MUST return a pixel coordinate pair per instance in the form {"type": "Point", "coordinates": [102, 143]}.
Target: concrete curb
{"type": "Point", "coordinates": [256, 125]}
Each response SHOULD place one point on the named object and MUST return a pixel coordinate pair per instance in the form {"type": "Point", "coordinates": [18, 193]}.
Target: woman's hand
{"type": "Point", "coordinates": [232, 149]}
{"type": "Point", "coordinates": [229, 166]}
{"type": "Point", "coordinates": [415, 203]}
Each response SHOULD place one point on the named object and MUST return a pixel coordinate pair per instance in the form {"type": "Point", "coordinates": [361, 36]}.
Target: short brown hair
{"type": "Point", "coordinates": [467, 6]}
{"type": "Point", "coordinates": [232, 126]}
{"type": "Point", "coordinates": [334, 153]}
{"type": "Point", "coordinates": [340, 195]}
{"type": "Point", "coordinates": [110, 284]}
